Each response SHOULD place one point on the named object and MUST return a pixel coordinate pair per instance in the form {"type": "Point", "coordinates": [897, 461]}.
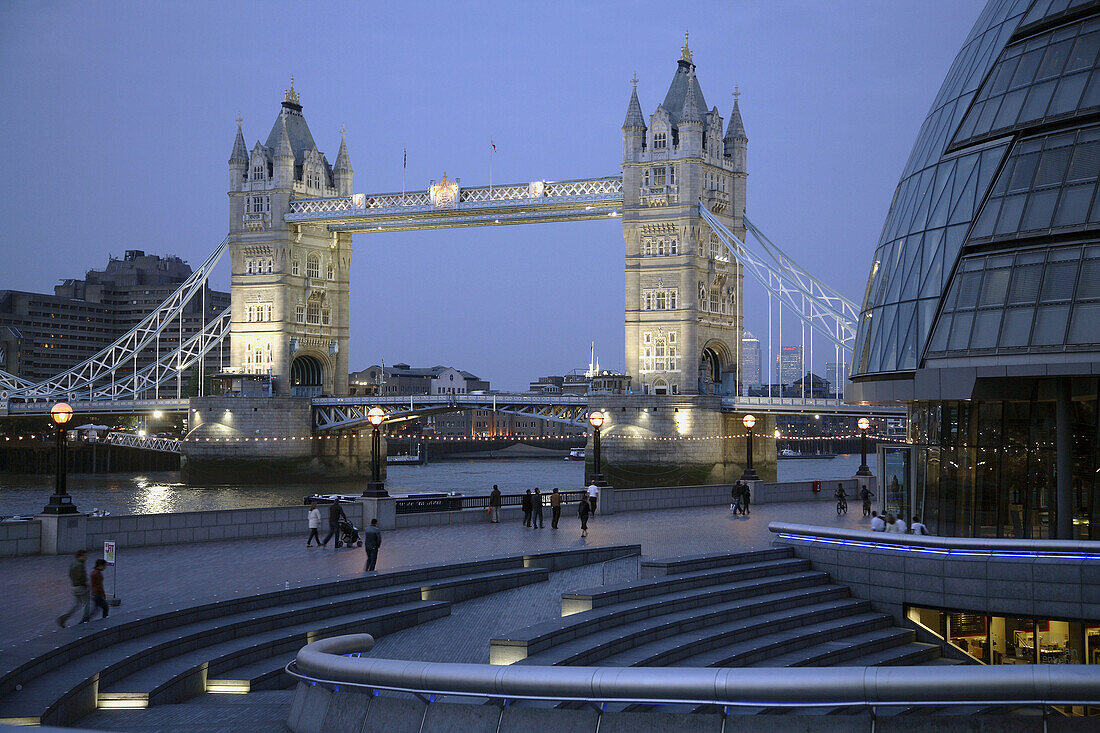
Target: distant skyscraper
{"type": "Point", "coordinates": [750, 360]}
{"type": "Point", "coordinates": [836, 374]}
{"type": "Point", "coordinates": [789, 362]}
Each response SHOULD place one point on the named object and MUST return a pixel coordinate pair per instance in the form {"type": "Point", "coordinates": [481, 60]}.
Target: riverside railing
{"type": "Point", "coordinates": [338, 662]}
{"type": "Point", "coordinates": [458, 503]}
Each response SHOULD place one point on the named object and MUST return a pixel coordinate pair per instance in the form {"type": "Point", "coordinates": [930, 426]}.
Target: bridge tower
{"type": "Point", "coordinates": [290, 283]}
{"type": "Point", "coordinates": [683, 292]}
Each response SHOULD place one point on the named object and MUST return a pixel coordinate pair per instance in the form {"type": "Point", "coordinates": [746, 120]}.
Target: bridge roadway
{"type": "Point", "coordinates": [346, 412]}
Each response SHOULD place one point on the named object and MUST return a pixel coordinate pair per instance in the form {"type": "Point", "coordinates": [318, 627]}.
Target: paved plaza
{"type": "Point", "coordinates": [154, 579]}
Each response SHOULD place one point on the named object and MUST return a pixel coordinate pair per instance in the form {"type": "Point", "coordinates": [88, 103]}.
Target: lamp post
{"type": "Point", "coordinates": [596, 420]}
{"type": "Point", "coordinates": [750, 473]}
{"type": "Point", "coordinates": [863, 424]}
{"type": "Point", "coordinates": [375, 487]}
{"type": "Point", "coordinates": [60, 502]}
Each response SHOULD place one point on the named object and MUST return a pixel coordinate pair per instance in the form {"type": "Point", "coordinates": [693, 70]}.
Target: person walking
{"type": "Point", "coordinates": [314, 524]}
{"type": "Point", "coordinates": [539, 522]}
{"type": "Point", "coordinates": [878, 524]}
{"type": "Point", "coordinates": [528, 506]}
{"type": "Point", "coordinates": [335, 514]}
{"type": "Point", "coordinates": [372, 540]}
{"type": "Point", "coordinates": [78, 575]}
{"type": "Point", "coordinates": [735, 497]}
{"type": "Point", "coordinates": [593, 497]}
{"type": "Point", "coordinates": [555, 508]}
{"type": "Point", "coordinates": [583, 510]}
{"type": "Point", "coordinates": [99, 596]}
{"type": "Point", "coordinates": [917, 527]}
{"type": "Point", "coordinates": [494, 505]}
{"type": "Point", "coordinates": [746, 497]}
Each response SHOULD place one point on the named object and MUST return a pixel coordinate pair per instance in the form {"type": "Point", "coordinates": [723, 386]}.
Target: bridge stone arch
{"type": "Point", "coordinates": [718, 372]}
{"type": "Point", "coordinates": [309, 373]}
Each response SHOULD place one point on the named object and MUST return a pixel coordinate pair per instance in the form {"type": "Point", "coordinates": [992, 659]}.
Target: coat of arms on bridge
{"type": "Point", "coordinates": [444, 195]}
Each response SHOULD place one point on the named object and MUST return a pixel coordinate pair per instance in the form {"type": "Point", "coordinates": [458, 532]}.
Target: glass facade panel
{"type": "Point", "coordinates": [1024, 86]}
{"type": "Point", "coordinates": [931, 190]}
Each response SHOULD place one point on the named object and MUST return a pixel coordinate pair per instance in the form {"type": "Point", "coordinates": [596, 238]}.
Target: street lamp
{"type": "Point", "coordinates": [60, 502]}
{"type": "Point", "coordinates": [863, 423]}
{"type": "Point", "coordinates": [596, 420]}
{"type": "Point", "coordinates": [375, 486]}
{"type": "Point", "coordinates": [750, 473]}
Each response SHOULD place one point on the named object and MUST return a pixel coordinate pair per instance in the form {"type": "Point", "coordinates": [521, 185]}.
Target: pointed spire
{"type": "Point", "coordinates": [283, 148]}
{"type": "Point", "coordinates": [736, 128]}
{"type": "Point", "coordinates": [685, 52]}
{"type": "Point", "coordinates": [343, 160]}
{"type": "Point", "coordinates": [240, 152]}
{"type": "Point", "coordinates": [690, 113]}
{"type": "Point", "coordinates": [634, 117]}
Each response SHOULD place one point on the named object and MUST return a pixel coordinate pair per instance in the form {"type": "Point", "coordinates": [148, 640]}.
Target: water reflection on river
{"type": "Point", "coordinates": [155, 493]}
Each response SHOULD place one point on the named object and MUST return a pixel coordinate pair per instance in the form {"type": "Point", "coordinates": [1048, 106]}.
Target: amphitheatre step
{"type": "Point", "coordinates": [913, 653]}
{"type": "Point", "coordinates": [651, 637]}
{"type": "Point", "coordinates": [184, 676]}
{"type": "Point", "coordinates": [587, 599]}
{"type": "Point", "coordinates": [774, 649]}
{"type": "Point", "coordinates": [527, 641]}
{"type": "Point", "coordinates": [836, 651]}
{"type": "Point", "coordinates": [670, 649]}
{"type": "Point", "coordinates": [60, 695]}
{"type": "Point", "coordinates": [688, 563]}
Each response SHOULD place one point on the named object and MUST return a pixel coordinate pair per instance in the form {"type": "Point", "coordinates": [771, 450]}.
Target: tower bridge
{"type": "Point", "coordinates": [681, 198]}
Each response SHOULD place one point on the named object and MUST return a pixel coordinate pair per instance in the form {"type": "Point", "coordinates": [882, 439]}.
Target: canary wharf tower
{"type": "Point", "coordinates": [982, 308]}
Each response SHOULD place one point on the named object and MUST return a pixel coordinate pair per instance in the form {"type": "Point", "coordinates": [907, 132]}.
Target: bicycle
{"type": "Point", "coordinates": [841, 506]}
{"type": "Point", "coordinates": [866, 507]}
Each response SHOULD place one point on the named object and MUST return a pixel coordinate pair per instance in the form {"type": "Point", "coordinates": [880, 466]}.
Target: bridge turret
{"type": "Point", "coordinates": [238, 160]}
{"type": "Point", "coordinates": [634, 126]}
{"type": "Point", "coordinates": [342, 171]}
{"type": "Point", "coordinates": [691, 121]}
{"type": "Point", "coordinates": [736, 144]}
{"type": "Point", "coordinates": [284, 157]}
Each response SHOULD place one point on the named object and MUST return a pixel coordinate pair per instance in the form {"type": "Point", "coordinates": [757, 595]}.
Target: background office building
{"type": "Point", "coordinates": [836, 374]}
{"type": "Point", "coordinates": [788, 364]}
{"type": "Point", "coordinates": [42, 335]}
{"type": "Point", "coordinates": [750, 361]}
{"type": "Point", "coordinates": [983, 303]}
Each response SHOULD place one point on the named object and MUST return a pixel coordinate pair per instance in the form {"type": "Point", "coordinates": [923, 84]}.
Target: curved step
{"type": "Point", "coordinates": [837, 650]}
{"type": "Point", "coordinates": [524, 642]}
{"type": "Point", "coordinates": [689, 563]}
{"type": "Point", "coordinates": [587, 599]}
{"type": "Point", "coordinates": [639, 641]}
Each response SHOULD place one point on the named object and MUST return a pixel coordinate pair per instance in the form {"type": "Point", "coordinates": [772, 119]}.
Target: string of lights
{"type": "Point", "coordinates": [455, 438]}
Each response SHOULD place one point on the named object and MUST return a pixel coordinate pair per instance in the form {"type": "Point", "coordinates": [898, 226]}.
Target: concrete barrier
{"type": "Point", "coordinates": [20, 538]}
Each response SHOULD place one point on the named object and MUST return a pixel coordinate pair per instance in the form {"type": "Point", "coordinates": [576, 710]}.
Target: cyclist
{"type": "Point", "coordinates": [841, 499]}
{"type": "Point", "coordinates": [866, 494]}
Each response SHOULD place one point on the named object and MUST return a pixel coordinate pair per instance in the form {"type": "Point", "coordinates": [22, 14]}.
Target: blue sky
{"type": "Point", "coordinates": [119, 120]}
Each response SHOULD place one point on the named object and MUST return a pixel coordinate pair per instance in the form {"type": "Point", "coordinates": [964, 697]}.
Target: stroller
{"type": "Point", "coordinates": [349, 535]}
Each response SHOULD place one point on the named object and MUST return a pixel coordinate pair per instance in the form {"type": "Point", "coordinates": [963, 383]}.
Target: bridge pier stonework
{"type": "Point", "coordinates": [262, 439]}
{"type": "Point", "coordinates": [683, 440]}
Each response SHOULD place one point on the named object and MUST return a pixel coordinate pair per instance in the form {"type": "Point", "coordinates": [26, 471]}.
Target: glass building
{"type": "Point", "coordinates": [982, 308]}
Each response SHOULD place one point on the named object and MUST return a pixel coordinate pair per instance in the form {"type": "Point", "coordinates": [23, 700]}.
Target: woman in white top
{"type": "Point", "coordinates": [894, 525]}
{"type": "Point", "coordinates": [314, 524]}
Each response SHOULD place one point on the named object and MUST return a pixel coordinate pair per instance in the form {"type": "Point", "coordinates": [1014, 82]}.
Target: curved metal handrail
{"type": "Point", "coordinates": [1084, 549]}
{"type": "Point", "coordinates": [326, 662]}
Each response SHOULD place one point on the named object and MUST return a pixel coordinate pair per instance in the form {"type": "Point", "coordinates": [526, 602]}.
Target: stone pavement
{"type": "Point", "coordinates": [158, 578]}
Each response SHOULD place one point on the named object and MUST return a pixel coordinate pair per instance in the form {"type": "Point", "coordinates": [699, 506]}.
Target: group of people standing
{"type": "Point", "coordinates": [533, 505]}
{"type": "Point", "coordinates": [891, 524]}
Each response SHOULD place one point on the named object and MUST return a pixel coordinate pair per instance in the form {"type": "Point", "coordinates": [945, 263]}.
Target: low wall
{"type": "Point", "coordinates": [1030, 578]}
{"type": "Point", "coordinates": [229, 524]}
{"type": "Point", "coordinates": [788, 491]}
{"type": "Point", "coordinates": [20, 538]}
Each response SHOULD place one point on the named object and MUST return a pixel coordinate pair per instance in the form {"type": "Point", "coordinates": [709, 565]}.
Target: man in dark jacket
{"type": "Point", "coordinates": [555, 508]}
{"type": "Point", "coordinates": [335, 514]}
{"type": "Point", "coordinates": [494, 505]}
{"type": "Point", "coordinates": [372, 540]}
{"type": "Point", "coordinates": [78, 576]}
{"type": "Point", "coordinates": [528, 505]}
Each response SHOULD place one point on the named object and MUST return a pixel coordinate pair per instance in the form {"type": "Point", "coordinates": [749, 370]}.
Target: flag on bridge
{"type": "Point", "coordinates": [492, 145]}
{"type": "Point", "coordinates": [404, 157]}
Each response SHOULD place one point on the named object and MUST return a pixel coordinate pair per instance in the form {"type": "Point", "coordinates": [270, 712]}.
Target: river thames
{"type": "Point", "coordinates": [155, 493]}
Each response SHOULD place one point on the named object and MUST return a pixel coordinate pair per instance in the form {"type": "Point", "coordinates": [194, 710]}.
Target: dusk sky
{"type": "Point", "coordinates": [120, 116]}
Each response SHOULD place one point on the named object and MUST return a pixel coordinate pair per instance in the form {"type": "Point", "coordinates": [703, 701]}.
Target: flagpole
{"type": "Point", "coordinates": [491, 148]}
{"type": "Point", "coordinates": [404, 162]}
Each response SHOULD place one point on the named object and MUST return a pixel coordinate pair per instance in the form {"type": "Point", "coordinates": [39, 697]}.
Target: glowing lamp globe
{"type": "Point", "coordinates": [61, 413]}
{"type": "Point", "coordinates": [376, 416]}
{"type": "Point", "coordinates": [863, 423]}
{"type": "Point", "coordinates": [596, 419]}
{"type": "Point", "coordinates": [749, 421]}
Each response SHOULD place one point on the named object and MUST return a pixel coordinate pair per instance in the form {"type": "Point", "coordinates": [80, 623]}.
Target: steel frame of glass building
{"type": "Point", "coordinates": [982, 308]}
